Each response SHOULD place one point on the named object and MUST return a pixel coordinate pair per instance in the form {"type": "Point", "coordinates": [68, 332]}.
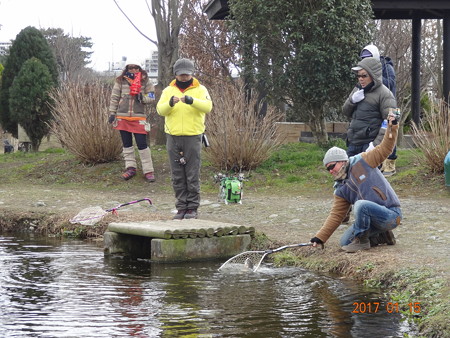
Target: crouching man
{"type": "Point", "coordinates": [360, 183]}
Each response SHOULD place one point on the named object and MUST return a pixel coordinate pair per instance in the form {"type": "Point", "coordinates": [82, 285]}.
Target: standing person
{"type": "Point", "coordinates": [367, 106]}
{"type": "Point", "coordinates": [132, 91]}
{"type": "Point", "coordinates": [358, 182]}
{"type": "Point", "coordinates": [388, 168]}
{"type": "Point", "coordinates": [184, 104]}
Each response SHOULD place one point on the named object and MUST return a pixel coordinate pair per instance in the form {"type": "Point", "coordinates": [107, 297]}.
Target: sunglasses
{"type": "Point", "coordinates": [362, 75]}
{"type": "Point", "coordinates": [133, 67]}
{"type": "Point", "coordinates": [331, 166]}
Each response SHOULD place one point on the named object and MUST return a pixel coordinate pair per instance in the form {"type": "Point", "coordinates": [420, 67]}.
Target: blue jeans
{"type": "Point", "coordinates": [371, 217]}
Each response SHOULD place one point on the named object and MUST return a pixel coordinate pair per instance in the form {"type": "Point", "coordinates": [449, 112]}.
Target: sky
{"type": "Point", "coordinates": [112, 34]}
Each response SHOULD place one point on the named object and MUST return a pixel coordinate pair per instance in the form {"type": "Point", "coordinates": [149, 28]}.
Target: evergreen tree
{"type": "Point", "coordinates": [28, 43]}
{"type": "Point", "coordinates": [29, 100]}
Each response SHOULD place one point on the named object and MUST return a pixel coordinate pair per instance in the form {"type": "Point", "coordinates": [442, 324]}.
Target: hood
{"type": "Point", "coordinates": [373, 67]}
{"type": "Point", "coordinates": [370, 51]}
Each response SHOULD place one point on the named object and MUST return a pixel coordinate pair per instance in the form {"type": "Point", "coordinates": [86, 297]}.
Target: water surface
{"type": "Point", "coordinates": [68, 288]}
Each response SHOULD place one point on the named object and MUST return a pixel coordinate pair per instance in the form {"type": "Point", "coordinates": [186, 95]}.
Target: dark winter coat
{"type": "Point", "coordinates": [367, 115]}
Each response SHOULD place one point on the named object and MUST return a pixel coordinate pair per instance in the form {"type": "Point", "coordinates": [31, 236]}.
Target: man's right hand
{"type": "Point", "coordinates": [173, 100]}
{"type": "Point", "coordinates": [358, 96]}
{"type": "Point", "coordinates": [316, 241]}
{"type": "Point", "coordinates": [111, 118]}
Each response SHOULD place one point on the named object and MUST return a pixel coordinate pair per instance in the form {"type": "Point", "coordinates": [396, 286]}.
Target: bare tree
{"type": "Point", "coordinates": [393, 38]}
{"type": "Point", "coordinates": [168, 16]}
{"type": "Point", "coordinates": [70, 52]}
{"type": "Point", "coordinates": [207, 42]}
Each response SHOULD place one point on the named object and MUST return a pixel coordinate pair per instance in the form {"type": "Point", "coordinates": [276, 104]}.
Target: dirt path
{"type": "Point", "coordinates": [422, 238]}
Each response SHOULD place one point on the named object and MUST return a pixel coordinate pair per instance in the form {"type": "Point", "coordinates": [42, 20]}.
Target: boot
{"type": "Point", "coordinates": [386, 237]}
{"type": "Point", "coordinates": [130, 163]}
{"type": "Point", "coordinates": [359, 243]}
{"type": "Point", "coordinates": [147, 164]}
{"type": "Point", "coordinates": [129, 173]}
{"type": "Point", "coordinates": [389, 167]}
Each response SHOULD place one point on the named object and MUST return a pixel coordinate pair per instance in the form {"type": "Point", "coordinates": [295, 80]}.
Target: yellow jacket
{"type": "Point", "coordinates": [185, 119]}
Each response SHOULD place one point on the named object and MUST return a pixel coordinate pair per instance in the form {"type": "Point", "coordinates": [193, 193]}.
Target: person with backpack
{"type": "Point", "coordinates": [388, 72]}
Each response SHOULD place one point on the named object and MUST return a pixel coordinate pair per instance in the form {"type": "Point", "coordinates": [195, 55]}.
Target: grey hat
{"type": "Point", "coordinates": [335, 154]}
{"type": "Point", "coordinates": [183, 66]}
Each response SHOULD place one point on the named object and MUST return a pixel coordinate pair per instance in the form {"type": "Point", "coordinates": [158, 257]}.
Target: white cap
{"type": "Point", "coordinates": [335, 154]}
{"type": "Point", "coordinates": [133, 62]}
{"type": "Point", "coordinates": [370, 51]}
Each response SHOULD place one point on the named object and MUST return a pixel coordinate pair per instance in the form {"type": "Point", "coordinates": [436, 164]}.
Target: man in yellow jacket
{"type": "Point", "coordinates": [184, 105]}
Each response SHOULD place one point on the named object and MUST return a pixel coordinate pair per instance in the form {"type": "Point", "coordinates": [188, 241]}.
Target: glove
{"type": "Point", "coordinates": [188, 99]}
{"type": "Point", "coordinates": [139, 97]}
{"type": "Point", "coordinates": [358, 96]}
{"type": "Point", "coordinates": [171, 102]}
{"type": "Point", "coordinates": [316, 240]}
{"type": "Point", "coordinates": [111, 118]}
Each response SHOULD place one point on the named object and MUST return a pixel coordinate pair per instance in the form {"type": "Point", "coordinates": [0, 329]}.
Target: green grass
{"type": "Point", "coordinates": [293, 167]}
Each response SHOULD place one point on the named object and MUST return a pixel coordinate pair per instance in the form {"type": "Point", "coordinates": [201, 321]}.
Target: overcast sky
{"type": "Point", "coordinates": [111, 33]}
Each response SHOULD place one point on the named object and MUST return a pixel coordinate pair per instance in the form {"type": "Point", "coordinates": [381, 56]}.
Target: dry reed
{"type": "Point", "coordinates": [80, 112]}
{"type": "Point", "coordinates": [240, 139]}
{"type": "Point", "coordinates": [432, 136]}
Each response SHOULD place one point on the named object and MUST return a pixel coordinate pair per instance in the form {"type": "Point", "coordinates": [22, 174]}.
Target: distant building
{"type": "Point", "coordinates": [4, 46]}
{"type": "Point", "coordinates": [151, 66]}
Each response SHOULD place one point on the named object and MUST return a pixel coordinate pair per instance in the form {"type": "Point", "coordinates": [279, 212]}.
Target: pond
{"type": "Point", "coordinates": [68, 288]}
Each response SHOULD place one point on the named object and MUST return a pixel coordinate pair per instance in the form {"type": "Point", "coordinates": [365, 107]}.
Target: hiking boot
{"type": "Point", "coordinates": [374, 240]}
{"type": "Point", "coordinates": [149, 177]}
{"type": "Point", "coordinates": [389, 168]}
{"type": "Point", "coordinates": [386, 237]}
{"type": "Point", "coordinates": [191, 213]}
{"type": "Point", "coordinates": [180, 214]}
{"type": "Point", "coordinates": [129, 173]}
{"type": "Point", "coordinates": [359, 243]}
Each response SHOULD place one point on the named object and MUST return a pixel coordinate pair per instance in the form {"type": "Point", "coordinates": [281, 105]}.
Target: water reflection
{"type": "Point", "coordinates": [51, 288]}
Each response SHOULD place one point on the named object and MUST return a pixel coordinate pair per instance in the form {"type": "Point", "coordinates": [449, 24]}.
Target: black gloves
{"type": "Point", "coordinates": [111, 118]}
{"type": "Point", "coordinates": [139, 97]}
{"type": "Point", "coordinates": [188, 99]}
{"type": "Point", "coordinates": [316, 240]}
{"type": "Point", "coordinates": [171, 102]}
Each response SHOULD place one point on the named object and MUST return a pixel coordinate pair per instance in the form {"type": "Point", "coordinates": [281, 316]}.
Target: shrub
{"type": "Point", "coordinates": [432, 136]}
{"type": "Point", "coordinates": [80, 112]}
{"type": "Point", "coordinates": [240, 138]}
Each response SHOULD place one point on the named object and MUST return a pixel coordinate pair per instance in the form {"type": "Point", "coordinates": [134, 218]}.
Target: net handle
{"type": "Point", "coordinates": [268, 252]}
{"type": "Point", "coordinates": [132, 202]}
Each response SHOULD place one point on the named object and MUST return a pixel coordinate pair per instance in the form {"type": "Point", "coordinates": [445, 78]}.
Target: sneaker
{"type": "Point", "coordinates": [180, 214]}
{"type": "Point", "coordinates": [191, 213]}
{"type": "Point", "coordinates": [129, 173]}
{"type": "Point", "coordinates": [357, 244]}
{"type": "Point", "coordinates": [150, 177]}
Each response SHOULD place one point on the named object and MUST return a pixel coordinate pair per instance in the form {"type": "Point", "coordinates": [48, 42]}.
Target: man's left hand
{"type": "Point", "coordinates": [187, 99]}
